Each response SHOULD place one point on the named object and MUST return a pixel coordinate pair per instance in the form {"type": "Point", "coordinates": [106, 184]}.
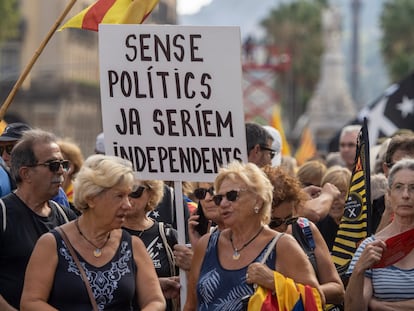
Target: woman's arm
{"type": "Point", "coordinates": [359, 290]}
{"type": "Point", "coordinates": [40, 273]}
{"type": "Point", "coordinates": [380, 305]}
{"type": "Point", "coordinates": [148, 287]}
{"type": "Point", "coordinates": [194, 273]}
{"type": "Point", "coordinates": [329, 279]}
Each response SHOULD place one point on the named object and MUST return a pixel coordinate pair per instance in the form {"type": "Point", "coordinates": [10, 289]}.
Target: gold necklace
{"type": "Point", "coordinates": [236, 252]}
{"type": "Point", "coordinates": [98, 250]}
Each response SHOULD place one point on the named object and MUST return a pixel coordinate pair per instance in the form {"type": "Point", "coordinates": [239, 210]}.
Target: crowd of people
{"type": "Point", "coordinates": [85, 234]}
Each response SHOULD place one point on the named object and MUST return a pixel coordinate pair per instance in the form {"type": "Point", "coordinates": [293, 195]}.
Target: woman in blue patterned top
{"type": "Point", "coordinates": [390, 287]}
{"type": "Point", "coordinates": [117, 266]}
{"type": "Point", "coordinates": [218, 277]}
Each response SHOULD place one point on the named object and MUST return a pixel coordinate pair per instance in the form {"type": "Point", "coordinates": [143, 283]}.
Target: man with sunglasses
{"type": "Point", "coordinates": [37, 166]}
{"type": "Point", "coordinates": [259, 145]}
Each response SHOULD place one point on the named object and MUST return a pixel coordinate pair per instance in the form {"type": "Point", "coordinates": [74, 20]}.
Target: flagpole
{"type": "Point", "coordinates": [35, 56]}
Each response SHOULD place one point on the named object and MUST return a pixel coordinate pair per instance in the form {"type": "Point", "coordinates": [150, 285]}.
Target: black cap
{"type": "Point", "coordinates": [14, 131]}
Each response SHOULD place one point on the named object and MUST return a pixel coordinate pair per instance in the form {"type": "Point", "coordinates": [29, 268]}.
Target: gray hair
{"type": "Point", "coordinates": [99, 173]}
{"type": "Point", "coordinates": [405, 163]}
{"type": "Point", "coordinates": [23, 153]}
{"type": "Point", "coordinates": [353, 128]}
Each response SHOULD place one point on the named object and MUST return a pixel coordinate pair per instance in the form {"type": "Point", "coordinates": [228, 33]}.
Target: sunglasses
{"type": "Point", "coordinates": [55, 165]}
{"type": "Point", "coordinates": [137, 193]}
{"type": "Point", "coordinates": [231, 196]}
{"type": "Point", "coordinates": [271, 151]}
{"type": "Point", "coordinates": [7, 148]}
{"type": "Point", "coordinates": [277, 222]}
{"type": "Point", "coordinates": [200, 193]}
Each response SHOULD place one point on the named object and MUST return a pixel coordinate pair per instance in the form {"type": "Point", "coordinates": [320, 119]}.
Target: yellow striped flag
{"type": "Point", "coordinates": [356, 222]}
{"type": "Point", "coordinates": [276, 122]}
{"type": "Point", "coordinates": [111, 12]}
{"type": "Point", "coordinates": [307, 148]}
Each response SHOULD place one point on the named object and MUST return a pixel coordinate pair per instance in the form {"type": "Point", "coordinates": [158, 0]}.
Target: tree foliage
{"type": "Point", "coordinates": [397, 24]}
{"type": "Point", "coordinates": [9, 19]}
{"type": "Point", "coordinates": [296, 28]}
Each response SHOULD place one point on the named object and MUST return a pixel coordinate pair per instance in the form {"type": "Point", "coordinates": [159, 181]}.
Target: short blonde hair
{"type": "Point", "coordinates": [98, 173]}
{"type": "Point", "coordinates": [155, 189]}
{"type": "Point", "coordinates": [338, 176]}
{"type": "Point", "coordinates": [255, 180]}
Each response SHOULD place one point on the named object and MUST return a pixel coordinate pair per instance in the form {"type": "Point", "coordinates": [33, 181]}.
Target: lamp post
{"type": "Point", "coordinates": [355, 66]}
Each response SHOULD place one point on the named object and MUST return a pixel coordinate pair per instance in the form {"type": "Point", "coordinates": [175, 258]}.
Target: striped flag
{"type": "Point", "coordinates": [288, 296]}
{"type": "Point", "coordinates": [276, 122]}
{"type": "Point", "coordinates": [111, 12]}
{"type": "Point", "coordinates": [356, 222]}
{"type": "Point", "coordinates": [307, 148]}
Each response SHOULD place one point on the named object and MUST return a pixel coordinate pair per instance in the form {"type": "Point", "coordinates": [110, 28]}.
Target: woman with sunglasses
{"type": "Point", "coordinates": [159, 238]}
{"type": "Point", "coordinates": [118, 270]}
{"type": "Point", "coordinates": [218, 279]}
{"type": "Point", "coordinates": [287, 196]}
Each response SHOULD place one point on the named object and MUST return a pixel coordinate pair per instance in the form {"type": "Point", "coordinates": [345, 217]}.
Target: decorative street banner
{"type": "Point", "coordinates": [172, 98]}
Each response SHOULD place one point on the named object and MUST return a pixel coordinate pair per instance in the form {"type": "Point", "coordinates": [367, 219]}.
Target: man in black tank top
{"type": "Point", "coordinates": [37, 166]}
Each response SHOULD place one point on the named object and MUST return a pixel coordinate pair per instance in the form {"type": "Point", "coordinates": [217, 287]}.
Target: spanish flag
{"type": "Point", "coordinates": [111, 12]}
{"type": "Point", "coordinates": [276, 122]}
{"type": "Point", "coordinates": [307, 148]}
{"type": "Point", "coordinates": [288, 296]}
{"type": "Point", "coordinates": [356, 222]}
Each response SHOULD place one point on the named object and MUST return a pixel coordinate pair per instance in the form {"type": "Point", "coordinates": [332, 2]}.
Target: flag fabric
{"type": "Point", "coordinates": [307, 148]}
{"type": "Point", "coordinates": [392, 111]}
{"type": "Point", "coordinates": [356, 222]}
{"type": "Point", "coordinates": [276, 122]}
{"type": "Point", "coordinates": [288, 296]}
{"type": "Point", "coordinates": [111, 12]}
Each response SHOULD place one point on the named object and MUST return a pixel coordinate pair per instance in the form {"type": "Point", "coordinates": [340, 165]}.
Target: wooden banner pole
{"type": "Point", "coordinates": [36, 55]}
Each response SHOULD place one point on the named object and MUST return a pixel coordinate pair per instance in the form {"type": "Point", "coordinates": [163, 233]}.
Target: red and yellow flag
{"type": "Point", "coordinates": [277, 124]}
{"type": "Point", "coordinates": [111, 12]}
{"type": "Point", "coordinates": [307, 148]}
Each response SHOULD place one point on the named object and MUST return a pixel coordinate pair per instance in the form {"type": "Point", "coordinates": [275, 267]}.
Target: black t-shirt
{"type": "Point", "coordinates": [328, 228]}
{"type": "Point", "coordinates": [23, 229]}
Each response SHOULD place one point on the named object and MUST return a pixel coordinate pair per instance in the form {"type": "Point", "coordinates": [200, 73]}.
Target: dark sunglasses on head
{"type": "Point", "coordinates": [271, 151]}
{"type": "Point", "coordinates": [200, 193]}
{"type": "Point", "coordinates": [7, 148]}
{"type": "Point", "coordinates": [231, 196]}
{"type": "Point", "coordinates": [55, 165]}
{"type": "Point", "coordinates": [137, 193]}
{"type": "Point", "coordinates": [277, 222]}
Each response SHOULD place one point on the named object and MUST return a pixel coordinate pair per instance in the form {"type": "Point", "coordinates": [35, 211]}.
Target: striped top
{"type": "Point", "coordinates": [389, 283]}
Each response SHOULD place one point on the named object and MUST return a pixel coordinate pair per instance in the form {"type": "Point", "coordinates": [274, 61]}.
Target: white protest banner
{"type": "Point", "coordinates": [172, 99]}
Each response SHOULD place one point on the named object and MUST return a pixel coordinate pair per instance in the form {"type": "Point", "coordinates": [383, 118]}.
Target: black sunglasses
{"type": "Point", "coordinates": [137, 193]}
{"type": "Point", "coordinates": [200, 193]}
{"type": "Point", "coordinates": [272, 152]}
{"type": "Point", "coordinates": [7, 148]}
{"type": "Point", "coordinates": [277, 222]}
{"type": "Point", "coordinates": [55, 165]}
{"type": "Point", "coordinates": [231, 196]}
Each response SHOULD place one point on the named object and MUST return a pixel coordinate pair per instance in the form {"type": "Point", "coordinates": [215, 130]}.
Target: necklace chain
{"type": "Point", "coordinates": [236, 252]}
{"type": "Point", "coordinates": [98, 250]}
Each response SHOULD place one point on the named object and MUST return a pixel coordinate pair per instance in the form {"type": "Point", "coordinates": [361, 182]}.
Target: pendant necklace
{"type": "Point", "coordinates": [236, 252]}
{"type": "Point", "coordinates": [98, 250]}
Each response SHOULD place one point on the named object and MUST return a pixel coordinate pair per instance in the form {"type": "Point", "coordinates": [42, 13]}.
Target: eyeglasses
{"type": "Point", "coordinates": [271, 151]}
{"type": "Point", "coordinates": [137, 193]}
{"type": "Point", "coordinates": [231, 196]}
{"type": "Point", "coordinates": [7, 148]}
{"type": "Point", "coordinates": [54, 165]}
{"type": "Point", "coordinates": [400, 188]}
{"type": "Point", "coordinates": [200, 193]}
{"type": "Point", "coordinates": [277, 222]}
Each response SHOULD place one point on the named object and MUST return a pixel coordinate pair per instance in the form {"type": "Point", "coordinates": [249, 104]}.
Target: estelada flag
{"type": "Point", "coordinates": [111, 12]}
{"type": "Point", "coordinates": [276, 122]}
{"type": "Point", "coordinates": [288, 296]}
{"type": "Point", "coordinates": [356, 222]}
